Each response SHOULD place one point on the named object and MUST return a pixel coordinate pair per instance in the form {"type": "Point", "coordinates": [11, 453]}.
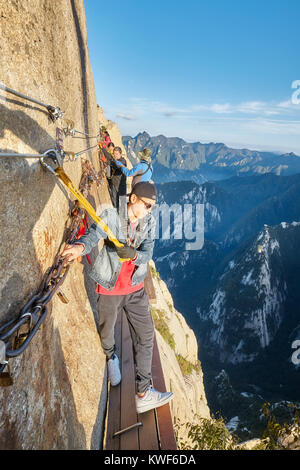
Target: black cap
{"type": "Point", "coordinates": [145, 189]}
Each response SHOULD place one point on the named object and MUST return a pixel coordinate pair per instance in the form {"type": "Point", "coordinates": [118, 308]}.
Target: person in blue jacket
{"type": "Point", "coordinates": [142, 171]}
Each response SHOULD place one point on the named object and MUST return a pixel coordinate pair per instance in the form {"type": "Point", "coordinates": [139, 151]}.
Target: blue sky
{"type": "Point", "coordinates": [203, 70]}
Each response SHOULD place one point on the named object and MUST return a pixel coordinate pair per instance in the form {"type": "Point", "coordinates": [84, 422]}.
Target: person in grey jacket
{"type": "Point", "coordinates": [119, 274]}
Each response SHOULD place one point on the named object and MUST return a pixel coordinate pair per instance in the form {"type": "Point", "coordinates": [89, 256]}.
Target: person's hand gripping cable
{"type": "Point", "coordinates": [72, 252]}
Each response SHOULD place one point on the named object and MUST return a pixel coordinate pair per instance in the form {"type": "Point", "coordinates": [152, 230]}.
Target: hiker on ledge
{"type": "Point", "coordinates": [104, 136]}
{"type": "Point", "coordinates": [120, 285]}
{"type": "Point", "coordinates": [109, 170]}
{"type": "Point", "coordinates": [142, 171]}
{"type": "Point", "coordinates": [117, 180]}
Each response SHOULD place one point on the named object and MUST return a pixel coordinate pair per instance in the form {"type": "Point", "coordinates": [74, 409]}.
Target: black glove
{"type": "Point", "coordinates": [126, 251]}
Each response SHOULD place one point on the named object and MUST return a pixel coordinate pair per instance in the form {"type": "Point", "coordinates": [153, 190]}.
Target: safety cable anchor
{"type": "Point", "coordinates": [54, 113]}
{"type": "Point", "coordinates": [69, 129]}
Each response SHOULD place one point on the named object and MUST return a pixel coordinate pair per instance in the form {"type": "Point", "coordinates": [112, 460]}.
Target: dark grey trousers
{"type": "Point", "coordinates": [137, 310]}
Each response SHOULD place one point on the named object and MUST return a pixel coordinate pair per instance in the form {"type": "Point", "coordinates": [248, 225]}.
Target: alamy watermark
{"type": "Point", "coordinates": [296, 95]}
{"type": "Point", "coordinates": [188, 223]}
{"type": "Point", "coordinates": [167, 222]}
{"type": "Point", "coordinates": [296, 354]}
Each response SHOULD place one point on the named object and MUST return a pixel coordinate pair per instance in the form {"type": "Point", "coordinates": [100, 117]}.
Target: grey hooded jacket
{"type": "Point", "coordinates": [107, 266]}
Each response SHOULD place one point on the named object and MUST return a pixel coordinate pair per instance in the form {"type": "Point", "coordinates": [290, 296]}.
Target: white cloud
{"type": "Point", "coordinates": [277, 126]}
{"type": "Point", "coordinates": [141, 106]}
{"type": "Point", "coordinates": [288, 104]}
{"type": "Point", "coordinates": [221, 108]}
{"type": "Point", "coordinates": [128, 117]}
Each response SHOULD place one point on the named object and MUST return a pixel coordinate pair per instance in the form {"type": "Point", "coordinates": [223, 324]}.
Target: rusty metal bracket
{"type": "Point", "coordinates": [129, 428]}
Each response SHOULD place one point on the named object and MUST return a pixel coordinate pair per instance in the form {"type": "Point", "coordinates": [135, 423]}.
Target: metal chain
{"type": "Point", "coordinates": [16, 334]}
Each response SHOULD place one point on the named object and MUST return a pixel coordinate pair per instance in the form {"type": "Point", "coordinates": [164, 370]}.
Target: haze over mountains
{"type": "Point", "coordinates": [239, 292]}
{"type": "Point", "coordinates": [175, 159]}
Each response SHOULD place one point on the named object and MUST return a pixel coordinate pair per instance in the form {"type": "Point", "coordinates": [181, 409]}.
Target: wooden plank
{"type": "Point", "coordinates": [157, 431]}
{"type": "Point", "coordinates": [164, 417]}
{"type": "Point", "coordinates": [148, 435]}
{"type": "Point", "coordinates": [130, 439]}
{"type": "Point", "coordinates": [114, 403]}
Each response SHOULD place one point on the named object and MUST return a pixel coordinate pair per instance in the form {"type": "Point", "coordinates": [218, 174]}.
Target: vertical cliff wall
{"type": "Point", "coordinates": [59, 386]}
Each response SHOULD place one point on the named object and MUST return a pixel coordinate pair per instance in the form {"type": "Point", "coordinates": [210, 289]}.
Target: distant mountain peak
{"type": "Point", "coordinates": [143, 134]}
{"type": "Point", "coordinates": [290, 154]}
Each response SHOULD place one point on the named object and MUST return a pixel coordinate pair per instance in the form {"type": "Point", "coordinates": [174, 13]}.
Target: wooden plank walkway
{"type": "Point", "coordinates": [155, 431]}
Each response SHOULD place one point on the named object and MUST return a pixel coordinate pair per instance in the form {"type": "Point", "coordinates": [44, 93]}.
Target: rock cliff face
{"type": "Point", "coordinates": [59, 394]}
{"type": "Point", "coordinates": [263, 275]}
{"type": "Point", "coordinates": [59, 389]}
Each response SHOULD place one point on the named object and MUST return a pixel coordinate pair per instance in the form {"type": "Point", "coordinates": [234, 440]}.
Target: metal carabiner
{"type": "Point", "coordinates": [54, 156]}
{"type": "Point", "coordinates": [69, 129]}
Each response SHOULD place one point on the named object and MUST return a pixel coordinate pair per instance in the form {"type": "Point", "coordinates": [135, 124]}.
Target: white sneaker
{"type": "Point", "coordinates": [152, 399]}
{"type": "Point", "coordinates": [113, 369]}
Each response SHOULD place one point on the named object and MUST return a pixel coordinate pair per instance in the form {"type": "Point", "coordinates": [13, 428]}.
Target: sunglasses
{"type": "Point", "coordinates": [146, 204]}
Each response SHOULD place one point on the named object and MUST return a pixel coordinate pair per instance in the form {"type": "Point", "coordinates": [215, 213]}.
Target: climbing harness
{"type": "Point", "coordinates": [149, 168]}
{"type": "Point", "coordinates": [89, 175]}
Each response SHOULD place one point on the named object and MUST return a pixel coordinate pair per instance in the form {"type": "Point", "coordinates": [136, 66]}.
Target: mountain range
{"type": "Point", "coordinates": [239, 292]}
{"type": "Point", "coordinates": [174, 159]}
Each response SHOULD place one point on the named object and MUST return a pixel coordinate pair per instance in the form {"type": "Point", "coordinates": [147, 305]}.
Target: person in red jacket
{"type": "Point", "coordinates": [105, 136]}
{"type": "Point", "coordinates": [120, 286]}
{"type": "Point", "coordinates": [107, 139]}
